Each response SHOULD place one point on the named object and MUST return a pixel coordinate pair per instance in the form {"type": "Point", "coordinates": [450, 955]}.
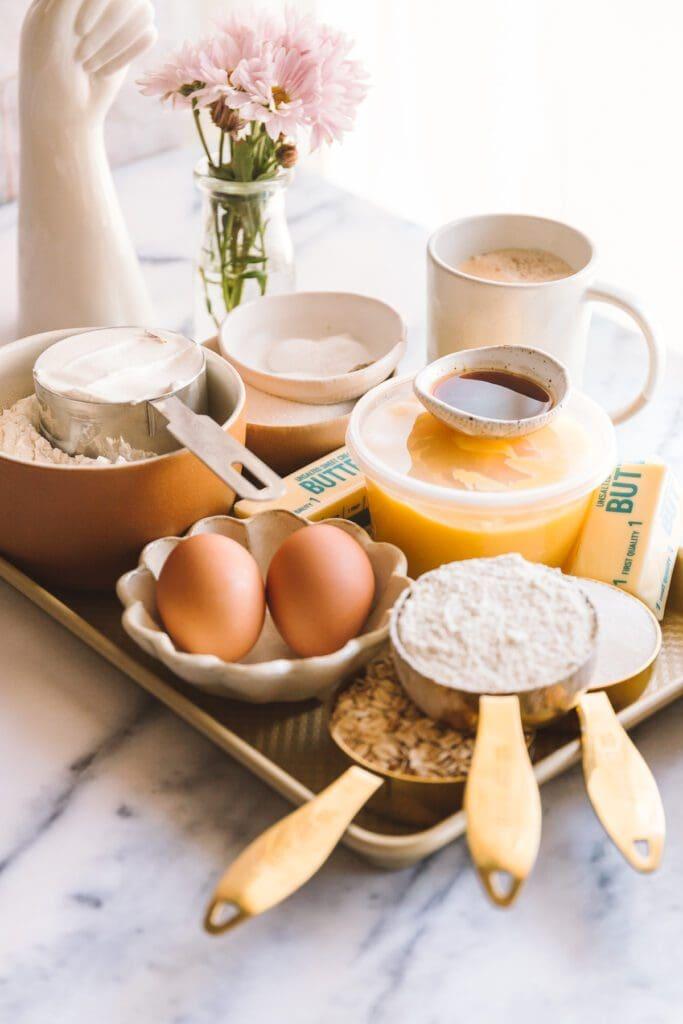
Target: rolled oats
{"type": "Point", "coordinates": [375, 718]}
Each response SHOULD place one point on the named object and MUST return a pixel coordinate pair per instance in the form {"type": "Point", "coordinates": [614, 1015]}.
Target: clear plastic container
{"type": "Point", "coordinates": [442, 496]}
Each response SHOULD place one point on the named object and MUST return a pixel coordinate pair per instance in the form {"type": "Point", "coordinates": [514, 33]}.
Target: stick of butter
{"type": "Point", "coordinates": [632, 532]}
{"type": "Point", "coordinates": [331, 486]}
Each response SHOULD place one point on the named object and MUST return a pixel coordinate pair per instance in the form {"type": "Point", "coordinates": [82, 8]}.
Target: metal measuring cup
{"type": "Point", "coordinates": [158, 424]}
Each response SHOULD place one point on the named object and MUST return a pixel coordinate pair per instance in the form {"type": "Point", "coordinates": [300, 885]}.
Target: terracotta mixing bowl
{"type": "Point", "coordinates": [83, 526]}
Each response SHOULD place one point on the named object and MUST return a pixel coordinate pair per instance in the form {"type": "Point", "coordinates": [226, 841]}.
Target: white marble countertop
{"type": "Point", "coordinates": [117, 818]}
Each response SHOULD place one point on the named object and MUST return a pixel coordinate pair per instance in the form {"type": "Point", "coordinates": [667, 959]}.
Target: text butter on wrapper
{"type": "Point", "coordinates": [632, 532]}
{"type": "Point", "coordinates": [332, 486]}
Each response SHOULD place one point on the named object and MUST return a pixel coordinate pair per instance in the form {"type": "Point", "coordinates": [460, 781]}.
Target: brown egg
{"type": "Point", "coordinates": [320, 587]}
{"type": "Point", "coordinates": [211, 598]}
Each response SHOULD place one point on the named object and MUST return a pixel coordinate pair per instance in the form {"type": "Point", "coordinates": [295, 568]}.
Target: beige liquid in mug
{"type": "Point", "coordinates": [517, 266]}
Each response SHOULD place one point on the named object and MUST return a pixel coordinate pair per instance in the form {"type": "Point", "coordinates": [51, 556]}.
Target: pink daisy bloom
{"type": "Point", "coordinates": [342, 87]}
{"type": "Point", "coordinates": [286, 74]}
{"type": "Point", "coordinates": [177, 78]}
{"type": "Point", "coordinates": [279, 89]}
{"type": "Point", "coordinates": [251, 29]}
{"type": "Point", "coordinates": [332, 41]}
{"type": "Point", "coordinates": [240, 37]}
{"type": "Point", "coordinates": [299, 32]}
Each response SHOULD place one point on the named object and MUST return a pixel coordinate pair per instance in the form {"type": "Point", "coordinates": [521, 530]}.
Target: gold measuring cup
{"type": "Point", "coordinates": [635, 819]}
{"type": "Point", "coordinates": [625, 678]}
{"type": "Point", "coordinates": [287, 854]}
{"type": "Point", "coordinates": [290, 852]}
{"type": "Point", "coordinates": [502, 799]}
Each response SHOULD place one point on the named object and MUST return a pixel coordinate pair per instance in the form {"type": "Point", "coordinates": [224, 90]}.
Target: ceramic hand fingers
{"type": "Point", "coordinates": [115, 33]}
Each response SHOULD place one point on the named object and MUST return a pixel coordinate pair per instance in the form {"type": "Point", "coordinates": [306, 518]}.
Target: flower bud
{"type": "Point", "coordinates": [225, 118]}
{"type": "Point", "coordinates": [287, 154]}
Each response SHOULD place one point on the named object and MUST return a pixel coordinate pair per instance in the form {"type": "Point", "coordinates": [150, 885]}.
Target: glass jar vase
{"type": "Point", "coordinates": [245, 250]}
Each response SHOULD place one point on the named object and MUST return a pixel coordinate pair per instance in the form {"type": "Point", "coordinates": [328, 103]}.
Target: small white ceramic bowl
{"type": "Point", "coordinates": [246, 333]}
{"type": "Point", "coordinates": [532, 363]}
{"type": "Point", "coordinates": [270, 672]}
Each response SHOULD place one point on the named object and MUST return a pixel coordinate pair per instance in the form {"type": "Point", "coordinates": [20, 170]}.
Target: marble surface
{"type": "Point", "coordinates": [117, 818]}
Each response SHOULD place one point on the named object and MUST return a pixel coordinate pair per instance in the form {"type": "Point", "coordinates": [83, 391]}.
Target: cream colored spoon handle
{"type": "Point", "coordinates": [502, 801]}
{"type": "Point", "coordinates": [620, 785]}
{"type": "Point", "coordinates": [290, 852]}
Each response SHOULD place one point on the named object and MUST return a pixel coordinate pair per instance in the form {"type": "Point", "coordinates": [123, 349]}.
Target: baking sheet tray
{"type": "Point", "coordinates": [287, 746]}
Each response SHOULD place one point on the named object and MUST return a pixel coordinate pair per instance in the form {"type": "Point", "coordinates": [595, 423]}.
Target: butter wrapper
{"type": "Point", "coordinates": [331, 486]}
{"type": "Point", "coordinates": [632, 532]}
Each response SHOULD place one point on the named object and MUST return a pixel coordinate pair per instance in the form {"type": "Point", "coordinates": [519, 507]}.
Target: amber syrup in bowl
{"type": "Point", "coordinates": [494, 391]}
{"type": "Point", "coordinates": [493, 394]}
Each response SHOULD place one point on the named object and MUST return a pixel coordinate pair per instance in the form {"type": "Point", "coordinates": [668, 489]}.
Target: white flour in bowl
{"type": "Point", "coordinates": [317, 357]}
{"type": "Point", "coordinates": [21, 438]}
{"type": "Point", "coordinates": [497, 625]}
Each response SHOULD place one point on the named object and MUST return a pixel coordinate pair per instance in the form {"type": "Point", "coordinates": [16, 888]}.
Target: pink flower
{"type": "Point", "coordinates": [343, 86]}
{"type": "Point", "coordinates": [251, 29]}
{"type": "Point", "coordinates": [239, 37]}
{"type": "Point", "coordinates": [299, 32]}
{"type": "Point", "coordinates": [177, 78]}
{"type": "Point", "coordinates": [288, 74]}
{"type": "Point", "coordinates": [279, 89]}
{"type": "Point", "coordinates": [237, 40]}
{"type": "Point", "coordinates": [213, 78]}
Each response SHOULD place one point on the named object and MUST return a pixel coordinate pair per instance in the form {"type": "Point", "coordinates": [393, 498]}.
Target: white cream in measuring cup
{"type": "Point", "coordinates": [146, 387]}
{"type": "Point", "coordinates": [119, 364]}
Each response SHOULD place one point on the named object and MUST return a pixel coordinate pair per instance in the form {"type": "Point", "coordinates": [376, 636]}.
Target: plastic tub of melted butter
{"type": "Point", "coordinates": [442, 495]}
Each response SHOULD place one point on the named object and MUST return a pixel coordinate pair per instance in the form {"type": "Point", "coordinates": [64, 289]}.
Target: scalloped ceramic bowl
{"type": "Point", "coordinates": [269, 672]}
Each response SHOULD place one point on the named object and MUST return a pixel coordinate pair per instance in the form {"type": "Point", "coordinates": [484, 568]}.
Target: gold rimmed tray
{"type": "Point", "coordinates": [288, 746]}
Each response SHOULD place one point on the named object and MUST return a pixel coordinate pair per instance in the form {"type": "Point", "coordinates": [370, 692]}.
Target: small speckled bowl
{"type": "Point", "coordinates": [531, 363]}
{"type": "Point", "coordinates": [270, 671]}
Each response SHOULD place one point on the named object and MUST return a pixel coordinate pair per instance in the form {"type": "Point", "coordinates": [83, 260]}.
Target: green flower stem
{"type": "Point", "coordinates": [235, 250]}
{"type": "Point", "coordinates": [198, 123]}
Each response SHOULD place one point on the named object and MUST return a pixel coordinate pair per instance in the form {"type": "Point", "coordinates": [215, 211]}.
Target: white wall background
{"type": "Point", "coordinates": [570, 110]}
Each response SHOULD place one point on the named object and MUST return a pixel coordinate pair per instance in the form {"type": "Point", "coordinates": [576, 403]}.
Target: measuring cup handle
{"type": "Point", "coordinates": [502, 801]}
{"type": "Point", "coordinates": [621, 787]}
{"type": "Point", "coordinates": [219, 451]}
{"type": "Point", "coordinates": [290, 852]}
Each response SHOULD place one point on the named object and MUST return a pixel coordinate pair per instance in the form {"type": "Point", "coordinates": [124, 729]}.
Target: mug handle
{"type": "Point", "coordinates": [614, 296]}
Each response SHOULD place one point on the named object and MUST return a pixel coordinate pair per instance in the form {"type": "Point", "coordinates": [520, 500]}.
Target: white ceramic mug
{"type": "Point", "coordinates": [468, 312]}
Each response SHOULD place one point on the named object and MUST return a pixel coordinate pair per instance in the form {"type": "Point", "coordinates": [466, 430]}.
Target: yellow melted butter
{"type": "Point", "coordinates": [411, 441]}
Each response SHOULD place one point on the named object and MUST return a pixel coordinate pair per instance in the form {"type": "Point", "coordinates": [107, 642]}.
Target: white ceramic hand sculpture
{"type": "Point", "coordinates": [77, 265]}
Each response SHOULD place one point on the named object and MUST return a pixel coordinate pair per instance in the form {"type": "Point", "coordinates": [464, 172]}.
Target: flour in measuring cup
{"type": "Point", "coordinates": [497, 625]}
{"type": "Point", "coordinates": [21, 438]}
